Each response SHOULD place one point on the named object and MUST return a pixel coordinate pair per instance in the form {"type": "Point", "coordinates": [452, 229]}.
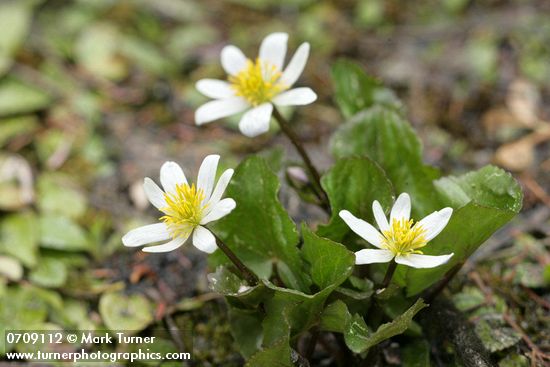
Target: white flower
{"type": "Point", "coordinates": [399, 238]}
{"type": "Point", "coordinates": [253, 85]}
{"type": "Point", "coordinates": [187, 208]}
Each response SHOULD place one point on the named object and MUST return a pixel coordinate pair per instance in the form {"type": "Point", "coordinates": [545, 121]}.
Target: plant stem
{"type": "Point", "coordinates": [433, 292]}
{"type": "Point", "coordinates": [312, 342]}
{"type": "Point", "coordinates": [389, 274]}
{"type": "Point", "coordinates": [246, 273]}
{"type": "Point", "coordinates": [287, 130]}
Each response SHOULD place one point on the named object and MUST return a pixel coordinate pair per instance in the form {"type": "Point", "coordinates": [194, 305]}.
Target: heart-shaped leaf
{"type": "Point", "coordinates": [125, 312]}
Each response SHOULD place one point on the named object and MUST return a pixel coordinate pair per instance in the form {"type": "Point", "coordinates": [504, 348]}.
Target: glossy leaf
{"type": "Point", "coordinates": [359, 338]}
{"type": "Point", "coordinates": [259, 230]}
{"type": "Point", "coordinates": [383, 135]}
{"type": "Point", "coordinates": [484, 201]}
{"type": "Point", "coordinates": [277, 355]}
{"type": "Point", "coordinates": [335, 317]}
{"type": "Point", "coordinates": [246, 328]}
{"type": "Point", "coordinates": [353, 184]}
{"type": "Point", "coordinates": [354, 90]}
{"type": "Point", "coordinates": [331, 263]}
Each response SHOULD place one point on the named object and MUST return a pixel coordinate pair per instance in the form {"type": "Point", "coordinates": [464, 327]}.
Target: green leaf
{"type": "Point", "coordinates": [354, 90]}
{"type": "Point", "coordinates": [51, 141]}
{"type": "Point", "coordinates": [495, 334]}
{"type": "Point", "coordinates": [15, 17]}
{"type": "Point", "coordinates": [11, 268]}
{"type": "Point", "coordinates": [288, 312]}
{"type": "Point", "coordinates": [97, 50]}
{"type": "Point", "coordinates": [17, 126]}
{"type": "Point", "coordinates": [19, 237]}
{"type": "Point", "coordinates": [145, 55]}
{"type": "Point", "coordinates": [490, 186]}
{"type": "Point", "coordinates": [359, 338]}
{"type": "Point", "coordinates": [58, 194]}
{"type": "Point", "coordinates": [277, 355]}
{"type": "Point", "coordinates": [468, 299]}
{"type": "Point", "coordinates": [514, 360]}
{"type": "Point", "coordinates": [17, 97]}
{"type": "Point", "coordinates": [331, 263]}
{"type": "Point", "coordinates": [259, 230]}
{"type": "Point", "coordinates": [357, 334]}
{"type": "Point", "coordinates": [74, 315]}
{"type": "Point", "coordinates": [237, 292]}
{"type": "Point", "coordinates": [353, 184]}
{"type": "Point", "coordinates": [335, 317]}
{"type": "Point", "coordinates": [125, 312]}
{"type": "Point", "coordinates": [484, 201]}
{"type": "Point", "coordinates": [61, 233]}
{"type": "Point", "coordinates": [416, 354]}
{"type": "Point", "coordinates": [383, 135]}
{"type": "Point", "coordinates": [50, 272]}
{"type": "Point", "coordinates": [357, 289]}
{"type": "Point", "coordinates": [21, 308]}
{"type": "Point", "coordinates": [529, 275]}
{"type": "Point", "coordinates": [246, 328]}
{"type": "Point", "coordinates": [184, 40]}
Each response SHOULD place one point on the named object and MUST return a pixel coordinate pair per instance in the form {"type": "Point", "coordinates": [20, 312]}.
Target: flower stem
{"type": "Point", "coordinates": [287, 130]}
{"type": "Point", "coordinates": [389, 274]}
{"type": "Point", "coordinates": [433, 292]}
{"type": "Point", "coordinates": [246, 273]}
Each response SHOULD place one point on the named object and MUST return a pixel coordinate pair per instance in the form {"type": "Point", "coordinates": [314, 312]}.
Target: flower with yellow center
{"type": "Point", "coordinates": [400, 238]}
{"type": "Point", "coordinates": [255, 85]}
{"type": "Point", "coordinates": [186, 208]}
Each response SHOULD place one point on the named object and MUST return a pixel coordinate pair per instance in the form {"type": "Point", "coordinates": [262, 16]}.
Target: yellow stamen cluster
{"type": "Point", "coordinates": [258, 82]}
{"type": "Point", "coordinates": [184, 209]}
{"type": "Point", "coordinates": [404, 237]}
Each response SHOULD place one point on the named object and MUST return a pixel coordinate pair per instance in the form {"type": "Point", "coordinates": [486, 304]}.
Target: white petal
{"type": "Point", "coordinates": [401, 208]}
{"type": "Point", "coordinates": [371, 256]}
{"type": "Point", "coordinates": [154, 193]}
{"type": "Point", "coordinates": [220, 188]}
{"type": "Point", "coordinates": [233, 59]}
{"type": "Point", "coordinates": [362, 228]}
{"type": "Point", "coordinates": [296, 65]}
{"type": "Point", "coordinates": [220, 210]}
{"type": "Point", "coordinates": [256, 121]}
{"type": "Point", "coordinates": [171, 175]}
{"type": "Point", "coordinates": [380, 216]}
{"type": "Point", "coordinates": [219, 108]}
{"type": "Point", "coordinates": [166, 247]}
{"type": "Point", "coordinates": [295, 97]}
{"type": "Point", "coordinates": [207, 175]}
{"type": "Point", "coordinates": [146, 234]}
{"type": "Point", "coordinates": [204, 240]}
{"type": "Point", "coordinates": [273, 49]}
{"type": "Point", "coordinates": [214, 88]}
{"type": "Point", "coordinates": [422, 261]}
{"type": "Point", "coordinates": [436, 222]}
